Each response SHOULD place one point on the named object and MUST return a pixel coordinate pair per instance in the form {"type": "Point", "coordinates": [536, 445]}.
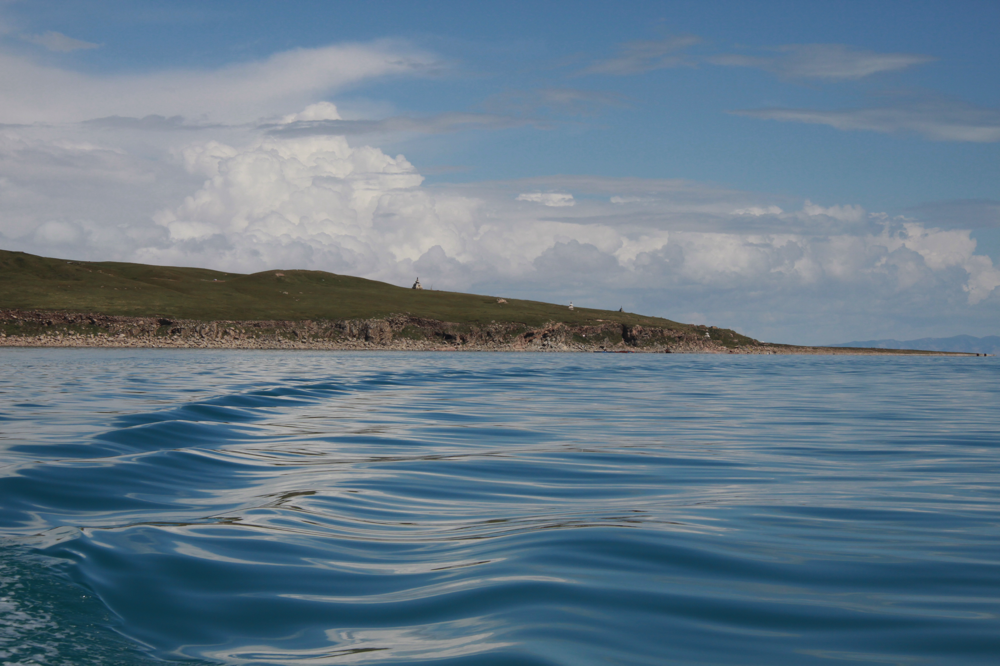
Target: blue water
{"type": "Point", "coordinates": [349, 508]}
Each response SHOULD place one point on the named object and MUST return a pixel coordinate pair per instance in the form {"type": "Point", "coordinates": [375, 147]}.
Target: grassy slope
{"type": "Point", "coordinates": [29, 282]}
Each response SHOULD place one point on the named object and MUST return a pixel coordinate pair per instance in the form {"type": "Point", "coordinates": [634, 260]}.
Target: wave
{"type": "Point", "coordinates": [456, 509]}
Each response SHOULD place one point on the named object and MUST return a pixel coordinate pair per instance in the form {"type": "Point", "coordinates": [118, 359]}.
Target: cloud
{"type": "Point", "coordinates": [941, 250]}
{"type": "Point", "coordinates": [322, 203]}
{"type": "Point", "coordinates": [963, 214]}
{"type": "Point", "coordinates": [553, 199]}
{"type": "Point", "coordinates": [758, 211]}
{"type": "Point", "coordinates": [80, 181]}
{"type": "Point", "coordinates": [629, 200]}
{"type": "Point", "coordinates": [244, 92]}
{"type": "Point", "coordinates": [832, 62]}
{"type": "Point", "coordinates": [567, 261]}
{"type": "Point", "coordinates": [58, 42]}
{"type": "Point", "coordinates": [851, 214]}
{"type": "Point", "coordinates": [56, 233]}
{"type": "Point", "coordinates": [645, 56]}
{"type": "Point", "coordinates": [514, 109]}
{"type": "Point", "coordinates": [438, 124]}
{"type": "Point", "coordinates": [152, 122]}
{"type": "Point", "coordinates": [309, 200]}
{"type": "Point", "coordinates": [562, 101]}
{"type": "Point", "coordinates": [937, 119]}
{"type": "Point", "coordinates": [984, 278]}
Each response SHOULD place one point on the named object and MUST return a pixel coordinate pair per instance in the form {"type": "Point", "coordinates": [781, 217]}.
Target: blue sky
{"type": "Point", "coordinates": [803, 172]}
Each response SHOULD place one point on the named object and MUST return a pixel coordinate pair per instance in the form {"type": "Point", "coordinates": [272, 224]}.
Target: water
{"type": "Point", "coordinates": [337, 508]}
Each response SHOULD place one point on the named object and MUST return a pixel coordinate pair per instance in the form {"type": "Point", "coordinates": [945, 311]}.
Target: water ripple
{"type": "Point", "coordinates": [285, 508]}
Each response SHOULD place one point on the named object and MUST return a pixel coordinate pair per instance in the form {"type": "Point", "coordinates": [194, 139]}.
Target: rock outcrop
{"type": "Point", "coordinates": [400, 331]}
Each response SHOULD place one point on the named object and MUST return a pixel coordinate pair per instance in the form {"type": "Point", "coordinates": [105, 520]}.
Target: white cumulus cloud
{"type": "Point", "coordinates": [279, 198]}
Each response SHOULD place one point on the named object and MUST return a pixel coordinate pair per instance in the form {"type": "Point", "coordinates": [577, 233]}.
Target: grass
{"type": "Point", "coordinates": [29, 282]}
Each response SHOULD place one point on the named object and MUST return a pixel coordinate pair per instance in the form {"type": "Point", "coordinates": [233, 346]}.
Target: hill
{"type": "Point", "coordinates": [29, 282]}
{"type": "Point", "coordinates": [162, 305]}
{"type": "Point", "coordinates": [58, 302]}
{"type": "Point", "coordinates": [958, 343]}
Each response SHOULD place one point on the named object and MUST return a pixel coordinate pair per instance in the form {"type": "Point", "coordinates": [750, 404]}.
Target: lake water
{"type": "Point", "coordinates": [537, 509]}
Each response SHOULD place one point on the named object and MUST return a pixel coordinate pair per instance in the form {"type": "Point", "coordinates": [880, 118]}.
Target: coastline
{"type": "Point", "coordinates": [13, 342]}
{"type": "Point", "coordinates": [400, 332]}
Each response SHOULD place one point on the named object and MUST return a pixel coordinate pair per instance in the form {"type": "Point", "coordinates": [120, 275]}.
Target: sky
{"type": "Point", "coordinates": [805, 173]}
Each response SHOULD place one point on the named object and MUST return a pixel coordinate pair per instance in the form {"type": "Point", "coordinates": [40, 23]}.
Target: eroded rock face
{"type": "Point", "coordinates": [547, 336]}
{"type": "Point", "coordinates": [400, 331]}
{"type": "Point", "coordinates": [640, 336]}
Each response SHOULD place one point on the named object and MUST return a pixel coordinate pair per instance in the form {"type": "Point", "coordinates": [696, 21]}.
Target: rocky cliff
{"type": "Point", "coordinates": [401, 332]}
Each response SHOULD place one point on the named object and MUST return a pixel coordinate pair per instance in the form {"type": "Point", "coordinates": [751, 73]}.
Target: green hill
{"type": "Point", "coordinates": [29, 282]}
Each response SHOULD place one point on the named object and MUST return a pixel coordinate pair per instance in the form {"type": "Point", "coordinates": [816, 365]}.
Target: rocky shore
{"type": "Point", "coordinates": [399, 332]}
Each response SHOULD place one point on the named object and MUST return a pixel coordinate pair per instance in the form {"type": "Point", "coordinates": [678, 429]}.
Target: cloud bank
{"type": "Point", "coordinates": [675, 248]}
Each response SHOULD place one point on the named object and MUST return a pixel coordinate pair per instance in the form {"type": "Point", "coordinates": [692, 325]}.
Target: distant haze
{"type": "Point", "coordinates": [959, 343]}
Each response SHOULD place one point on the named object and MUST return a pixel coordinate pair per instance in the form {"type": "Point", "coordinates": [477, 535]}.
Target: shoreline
{"type": "Point", "coordinates": [400, 332]}
{"type": "Point", "coordinates": [106, 342]}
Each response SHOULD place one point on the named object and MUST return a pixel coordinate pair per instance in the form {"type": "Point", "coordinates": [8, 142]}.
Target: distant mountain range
{"type": "Point", "coordinates": [959, 343]}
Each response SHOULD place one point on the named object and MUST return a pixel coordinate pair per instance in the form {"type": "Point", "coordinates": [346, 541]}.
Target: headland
{"type": "Point", "coordinates": [46, 302]}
